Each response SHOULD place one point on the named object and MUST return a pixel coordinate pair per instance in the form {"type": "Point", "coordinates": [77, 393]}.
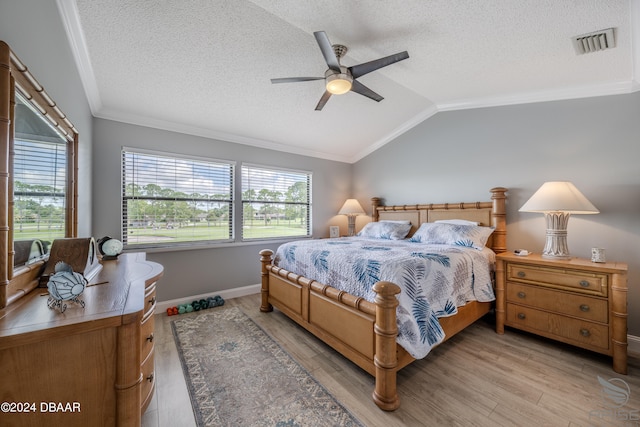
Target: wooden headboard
{"type": "Point", "coordinates": [488, 214]}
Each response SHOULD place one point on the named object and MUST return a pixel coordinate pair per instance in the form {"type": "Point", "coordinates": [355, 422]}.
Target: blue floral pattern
{"type": "Point", "coordinates": [435, 279]}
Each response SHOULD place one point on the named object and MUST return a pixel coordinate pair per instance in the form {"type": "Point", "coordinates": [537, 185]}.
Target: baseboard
{"type": "Point", "coordinates": [634, 345]}
{"type": "Point", "coordinates": [161, 307]}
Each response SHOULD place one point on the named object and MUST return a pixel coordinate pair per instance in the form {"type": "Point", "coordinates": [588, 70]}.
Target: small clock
{"type": "Point", "coordinates": [109, 248]}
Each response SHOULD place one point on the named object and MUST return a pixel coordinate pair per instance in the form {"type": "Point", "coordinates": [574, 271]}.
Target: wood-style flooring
{"type": "Point", "coordinates": [477, 378]}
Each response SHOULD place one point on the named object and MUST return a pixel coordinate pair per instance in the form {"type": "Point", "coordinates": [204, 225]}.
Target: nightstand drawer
{"type": "Point", "coordinates": [576, 305]}
{"type": "Point", "coordinates": [574, 280]}
{"type": "Point", "coordinates": [567, 329]}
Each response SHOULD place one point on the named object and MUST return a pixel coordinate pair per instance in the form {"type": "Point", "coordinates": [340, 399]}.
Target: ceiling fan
{"type": "Point", "coordinates": [340, 79]}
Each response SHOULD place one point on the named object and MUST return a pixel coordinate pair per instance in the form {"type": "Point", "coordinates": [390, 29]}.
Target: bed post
{"type": "Point", "coordinates": [375, 202]}
{"type": "Point", "coordinates": [498, 219]}
{"type": "Point", "coordinates": [385, 358]}
{"type": "Point", "coordinates": [265, 259]}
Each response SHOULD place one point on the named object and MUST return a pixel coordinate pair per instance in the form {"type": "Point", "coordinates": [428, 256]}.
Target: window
{"type": "Point", "coordinates": [170, 200]}
{"type": "Point", "coordinates": [275, 203]}
{"type": "Point", "coordinates": [39, 177]}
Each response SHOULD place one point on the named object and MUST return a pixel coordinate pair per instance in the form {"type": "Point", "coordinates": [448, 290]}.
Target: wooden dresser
{"type": "Point", "coordinates": [89, 366]}
{"type": "Point", "coordinates": [575, 301]}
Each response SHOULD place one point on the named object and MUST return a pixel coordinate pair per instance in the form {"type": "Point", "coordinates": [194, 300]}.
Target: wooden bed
{"type": "Point", "coordinates": [370, 339]}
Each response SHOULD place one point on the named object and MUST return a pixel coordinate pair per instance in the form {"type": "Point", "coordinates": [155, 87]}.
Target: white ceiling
{"type": "Point", "coordinates": [203, 67]}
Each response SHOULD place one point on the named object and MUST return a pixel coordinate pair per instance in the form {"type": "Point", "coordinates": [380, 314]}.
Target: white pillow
{"type": "Point", "coordinates": [385, 230]}
{"type": "Point", "coordinates": [452, 234]}
{"type": "Point", "coordinates": [457, 221]}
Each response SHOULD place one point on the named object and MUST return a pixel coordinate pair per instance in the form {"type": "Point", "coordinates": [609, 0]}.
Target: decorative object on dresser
{"type": "Point", "coordinates": [65, 285]}
{"type": "Point", "coordinates": [99, 358]}
{"type": "Point", "coordinates": [351, 209]}
{"type": "Point", "coordinates": [574, 301]}
{"type": "Point", "coordinates": [558, 200]}
{"type": "Point", "coordinates": [109, 248]}
{"type": "Point", "coordinates": [81, 254]}
{"type": "Point", "coordinates": [370, 340]}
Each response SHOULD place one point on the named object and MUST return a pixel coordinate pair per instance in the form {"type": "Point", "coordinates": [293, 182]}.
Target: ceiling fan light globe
{"type": "Point", "coordinates": [338, 84]}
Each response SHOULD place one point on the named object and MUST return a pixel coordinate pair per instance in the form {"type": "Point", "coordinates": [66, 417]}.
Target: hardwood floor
{"type": "Point", "coordinates": [477, 378]}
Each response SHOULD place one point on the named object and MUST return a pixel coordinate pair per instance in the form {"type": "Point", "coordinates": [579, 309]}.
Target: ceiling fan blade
{"type": "Point", "coordinates": [295, 79]}
{"type": "Point", "coordinates": [358, 87]}
{"type": "Point", "coordinates": [327, 50]}
{"type": "Point", "coordinates": [323, 100]}
{"type": "Point", "coordinates": [367, 67]}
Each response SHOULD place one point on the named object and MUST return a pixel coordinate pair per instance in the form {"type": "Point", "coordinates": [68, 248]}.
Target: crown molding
{"type": "Point", "coordinates": [615, 88]}
{"type": "Point", "coordinates": [78, 44]}
{"type": "Point", "coordinates": [212, 134]}
{"type": "Point", "coordinates": [405, 127]}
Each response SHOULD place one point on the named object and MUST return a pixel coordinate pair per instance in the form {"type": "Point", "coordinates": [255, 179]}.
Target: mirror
{"type": "Point", "coordinates": [38, 169]}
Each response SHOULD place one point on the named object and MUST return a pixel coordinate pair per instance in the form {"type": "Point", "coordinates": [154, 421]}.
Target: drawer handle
{"type": "Point", "coordinates": [584, 283]}
{"type": "Point", "coordinates": [521, 316]}
{"type": "Point", "coordinates": [584, 307]}
{"type": "Point", "coordinates": [150, 377]}
{"type": "Point", "coordinates": [152, 300]}
{"type": "Point", "coordinates": [585, 332]}
{"type": "Point", "coordinates": [521, 274]}
{"type": "Point", "coordinates": [150, 337]}
{"type": "Point", "coordinates": [522, 295]}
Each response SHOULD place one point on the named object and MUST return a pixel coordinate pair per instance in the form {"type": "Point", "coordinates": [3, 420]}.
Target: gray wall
{"type": "Point", "coordinates": [194, 272]}
{"type": "Point", "coordinates": [459, 155]}
{"type": "Point", "coordinates": [33, 29]}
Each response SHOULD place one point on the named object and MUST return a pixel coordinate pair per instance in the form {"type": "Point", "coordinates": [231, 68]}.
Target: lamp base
{"type": "Point", "coordinates": [556, 244]}
{"type": "Point", "coordinates": [352, 225]}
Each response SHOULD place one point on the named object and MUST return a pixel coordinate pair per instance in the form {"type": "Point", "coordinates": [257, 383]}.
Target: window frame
{"type": "Point", "coordinates": [182, 244]}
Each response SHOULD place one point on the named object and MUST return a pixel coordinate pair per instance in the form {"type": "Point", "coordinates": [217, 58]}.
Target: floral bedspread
{"type": "Point", "coordinates": [435, 279]}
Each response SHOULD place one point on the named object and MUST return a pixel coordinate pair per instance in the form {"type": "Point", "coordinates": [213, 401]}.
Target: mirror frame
{"type": "Point", "coordinates": [14, 75]}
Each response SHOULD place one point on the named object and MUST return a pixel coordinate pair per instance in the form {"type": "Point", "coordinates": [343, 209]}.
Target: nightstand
{"type": "Point", "coordinates": [575, 301]}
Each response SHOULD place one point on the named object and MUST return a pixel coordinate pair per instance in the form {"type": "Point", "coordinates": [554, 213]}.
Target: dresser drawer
{"type": "Point", "coordinates": [147, 336]}
{"type": "Point", "coordinates": [574, 280]}
{"type": "Point", "coordinates": [576, 305]}
{"type": "Point", "coordinates": [566, 329]}
{"type": "Point", "coordinates": [148, 381]}
{"type": "Point", "coordinates": [150, 300]}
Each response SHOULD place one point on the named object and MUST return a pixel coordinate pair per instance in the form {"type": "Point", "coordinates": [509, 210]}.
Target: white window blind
{"type": "Point", "coordinates": [276, 203]}
{"type": "Point", "coordinates": [172, 200]}
{"type": "Point", "coordinates": [39, 189]}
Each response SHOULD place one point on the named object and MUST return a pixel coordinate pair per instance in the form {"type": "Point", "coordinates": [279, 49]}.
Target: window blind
{"type": "Point", "coordinates": [39, 188]}
{"type": "Point", "coordinates": [275, 203]}
{"type": "Point", "coordinates": [172, 200]}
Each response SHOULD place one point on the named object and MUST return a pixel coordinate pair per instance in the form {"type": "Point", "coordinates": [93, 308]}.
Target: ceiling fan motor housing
{"type": "Point", "coordinates": [338, 82]}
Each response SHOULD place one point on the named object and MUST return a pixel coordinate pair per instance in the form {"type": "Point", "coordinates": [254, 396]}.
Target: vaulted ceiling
{"type": "Point", "coordinates": [203, 67]}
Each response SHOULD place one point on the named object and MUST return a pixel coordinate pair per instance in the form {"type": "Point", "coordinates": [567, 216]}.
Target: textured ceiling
{"type": "Point", "coordinates": [203, 67]}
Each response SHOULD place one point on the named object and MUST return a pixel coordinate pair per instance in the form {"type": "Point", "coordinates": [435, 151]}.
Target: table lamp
{"type": "Point", "coordinates": [351, 209]}
{"type": "Point", "coordinates": [558, 200]}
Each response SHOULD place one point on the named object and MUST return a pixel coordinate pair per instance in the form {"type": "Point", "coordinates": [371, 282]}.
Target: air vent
{"type": "Point", "coordinates": [593, 42]}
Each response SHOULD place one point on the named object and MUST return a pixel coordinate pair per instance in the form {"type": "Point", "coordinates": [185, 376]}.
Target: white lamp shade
{"type": "Point", "coordinates": [351, 207]}
{"type": "Point", "coordinates": [559, 196]}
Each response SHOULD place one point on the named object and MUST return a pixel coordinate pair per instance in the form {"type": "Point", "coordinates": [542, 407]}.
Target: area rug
{"type": "Point", "coordinates": [237, 375]}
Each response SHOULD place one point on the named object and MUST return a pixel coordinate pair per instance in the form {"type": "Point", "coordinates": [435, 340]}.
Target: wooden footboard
{"type": "Point", "coordinates": [366, 332]}
{"type": "Point", "coordinates": [363, 332]}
